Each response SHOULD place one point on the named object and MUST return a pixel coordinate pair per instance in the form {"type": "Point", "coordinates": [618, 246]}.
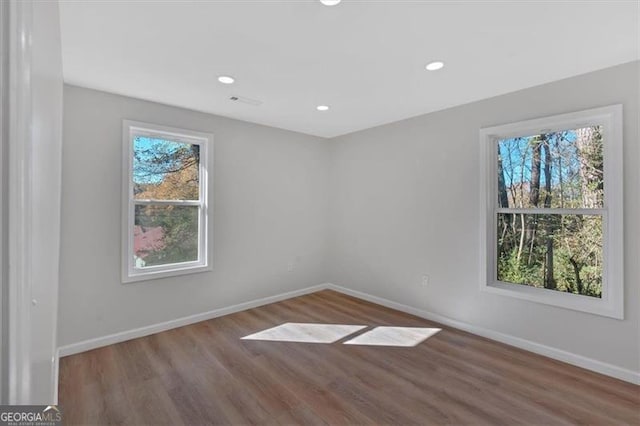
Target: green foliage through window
{"type": "Point", "coordinates": [165, 171]}
{"type": "Point", "coordinates": [559, 170]}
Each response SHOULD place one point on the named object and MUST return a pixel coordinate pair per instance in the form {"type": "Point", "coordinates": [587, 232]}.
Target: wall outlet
{"type": "Point", "coordinates": [425, 280]}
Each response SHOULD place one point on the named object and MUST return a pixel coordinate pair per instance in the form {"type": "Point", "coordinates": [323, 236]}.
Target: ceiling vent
{"type": "Point", "coordinates": [244, 100]}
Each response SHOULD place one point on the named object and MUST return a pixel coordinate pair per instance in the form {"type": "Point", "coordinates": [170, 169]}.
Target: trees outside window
{"type": "Point", "coordinates": [166, 201]}
{"type": "Point", "coordinates": [553, 210]}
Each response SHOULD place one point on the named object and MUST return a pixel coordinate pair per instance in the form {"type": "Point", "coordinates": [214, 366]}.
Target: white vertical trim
{"type": "Point", "coordinates": [614, 205]}
{"type": "Point", "coordinates": [4, 141]}
{"type": "Point", "coordinates": [21, 15]}
{"type": "Point", "coordinates": [56, 374]}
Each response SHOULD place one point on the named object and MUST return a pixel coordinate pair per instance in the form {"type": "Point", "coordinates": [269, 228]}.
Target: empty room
{"type": "Point", "coordinates": [326, 212]}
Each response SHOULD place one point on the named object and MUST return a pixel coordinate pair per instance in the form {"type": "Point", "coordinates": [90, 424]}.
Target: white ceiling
{"type": "Point", "coordinates": [363, 58]}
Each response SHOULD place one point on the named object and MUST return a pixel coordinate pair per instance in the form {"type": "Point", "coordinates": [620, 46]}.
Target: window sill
{"type": "Point", "coordinates": [164, 273]}
{"type": "Point", "coordinates": [603, 307]}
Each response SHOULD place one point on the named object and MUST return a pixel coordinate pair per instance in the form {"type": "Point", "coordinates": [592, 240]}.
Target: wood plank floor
{"type": "Point", "coordinates": [205, 374]}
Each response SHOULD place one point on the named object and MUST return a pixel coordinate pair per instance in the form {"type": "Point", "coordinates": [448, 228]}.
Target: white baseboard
{"type": "Point", "coordinates": [558, 354]}
{"type": "Point", "coordinates": [56, 375]}
{"type": "Point", "coordinates": [110, 339]}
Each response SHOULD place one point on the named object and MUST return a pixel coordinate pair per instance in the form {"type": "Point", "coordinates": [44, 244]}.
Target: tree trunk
{"type": "Point", "coordinates": [589, 147]}
{"type": "Point", "coordinates": [576, 270]}
{"type": "Point", "coordinates": [503, 201]}
{"type": "Point", "coordinates": [534, 187]}
{"type": "Point", "coordinates": [547, 175]}
{"type": "Point", "coordinates": [521, 245]}
{"type": "Point", "coordinates": [502, 188]}
{"type": "Point", "coordinates": [549, 280]}
{"type": "Point", "coordinates": [534, 194]}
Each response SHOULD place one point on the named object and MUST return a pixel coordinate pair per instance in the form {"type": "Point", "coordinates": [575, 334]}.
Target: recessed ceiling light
{"type": "Point", "coordinates": [330, 2]}
{"type": "Point", "coordinates": [225, 79]}
{"type": "Point", "coordinates": [434, 66]}
{"type": "Point", "coordinates": [322, 108]}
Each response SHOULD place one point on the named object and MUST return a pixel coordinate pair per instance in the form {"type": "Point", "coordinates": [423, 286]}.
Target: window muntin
{"type": "Point", "coordinates": [576, 210]}
{"type": "Point", "coordinates": [165, 222]}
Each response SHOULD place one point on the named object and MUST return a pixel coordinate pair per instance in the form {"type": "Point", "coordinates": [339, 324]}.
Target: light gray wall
{"type": "Point", "coordinates": [405, 202]}
{"type": "Point", "coordinates": [270, 208]}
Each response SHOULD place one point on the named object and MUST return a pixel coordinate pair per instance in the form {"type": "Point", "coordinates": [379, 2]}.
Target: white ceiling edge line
{"type": "Point", "coordinates": [462, 104]}
{"type": "Point", "coordinates": [357, 129]}
{"type": "Point", "coordinates": [199, 111]}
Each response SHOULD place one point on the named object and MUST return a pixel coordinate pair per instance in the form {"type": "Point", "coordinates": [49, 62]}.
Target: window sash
{"type": "Point", "coordinates": [164, 266]}
{"type": "Point", "coordinates": [541, 210]}
{"type": "Point", "coordinates": [130, 273]}
{"type": "Point", "coordinates": [554, 125]}
{"type": "Point", "coordinates": [171, 137]}
{"type": "Point", "coordinates": [493, 239]}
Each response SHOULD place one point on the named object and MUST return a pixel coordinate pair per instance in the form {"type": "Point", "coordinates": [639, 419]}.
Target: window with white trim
{"type": "Point", "coordinates": [552, 210]}
{"type": "Point", "coordinates": [165, 217]}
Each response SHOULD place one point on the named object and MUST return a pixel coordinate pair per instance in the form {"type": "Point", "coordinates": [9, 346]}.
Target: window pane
{"type": "Point", "coordinates": [165, 235]}
{"type": "Point", "coordinates": [165, 170]}
{"type": "Point", "coordinates": [559, 170]}
{"type": "Point", "coordinates": [557, 252]}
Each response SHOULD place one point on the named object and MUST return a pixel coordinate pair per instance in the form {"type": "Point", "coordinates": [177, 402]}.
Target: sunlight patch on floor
{"type": "Point", "coordinates": [393, 336]}
{"type": "Point", "coordinates": [306, 333]}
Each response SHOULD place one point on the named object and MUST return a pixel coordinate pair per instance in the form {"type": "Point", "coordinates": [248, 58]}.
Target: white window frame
{"type": "Point", "coordinates": [612, 302]}
{"type": "Point", "coordinates": [130, 273]}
